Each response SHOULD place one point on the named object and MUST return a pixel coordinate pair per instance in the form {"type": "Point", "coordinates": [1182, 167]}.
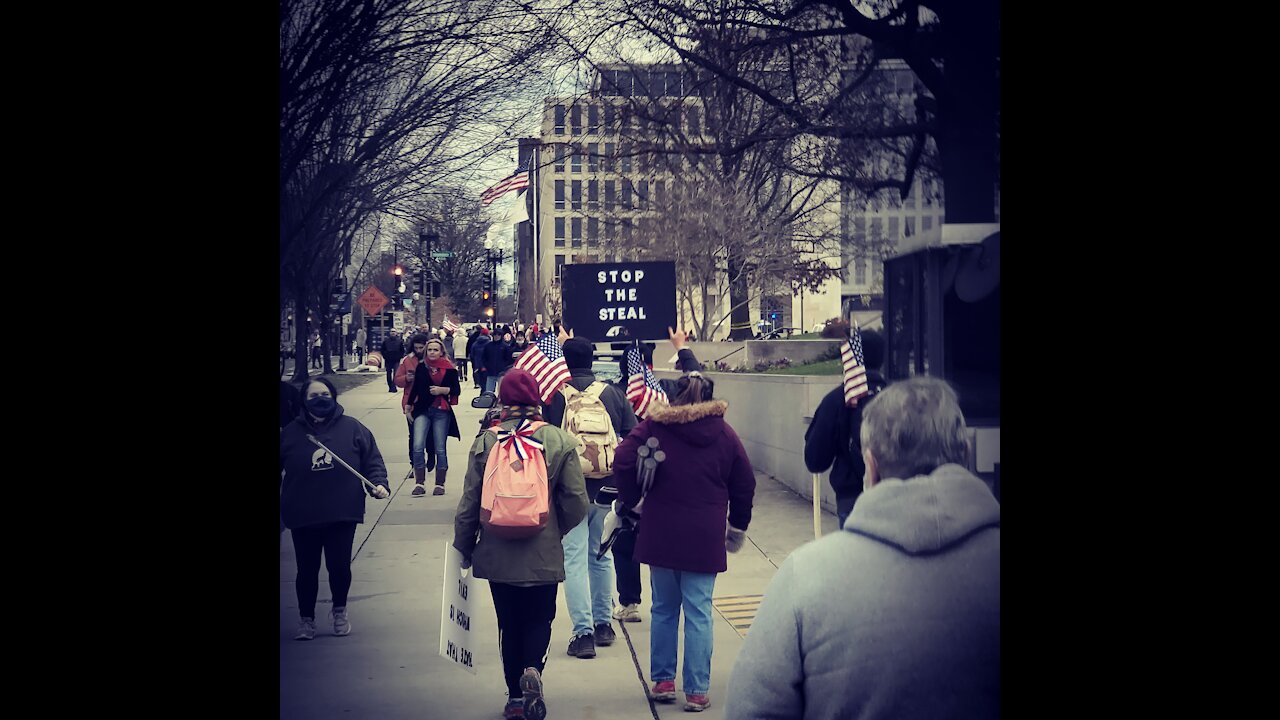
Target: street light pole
{"type": "Point", "coordinates": [427, 240]}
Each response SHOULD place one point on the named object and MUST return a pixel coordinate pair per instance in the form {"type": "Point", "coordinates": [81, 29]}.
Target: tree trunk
{"type": "Point", "coordinates": [740, 316]}
{"type": "Point", "coordinates": [301, 351]}
{"type": "Point", "coordinates": [968, 143]}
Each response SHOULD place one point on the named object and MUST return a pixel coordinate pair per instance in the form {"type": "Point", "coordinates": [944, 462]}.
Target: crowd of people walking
{"type": "Point", "coordinates": [843, 630]}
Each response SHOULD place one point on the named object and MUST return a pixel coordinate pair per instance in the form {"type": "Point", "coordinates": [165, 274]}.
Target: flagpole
{"type": "Point", "coordinates": [537, 256]}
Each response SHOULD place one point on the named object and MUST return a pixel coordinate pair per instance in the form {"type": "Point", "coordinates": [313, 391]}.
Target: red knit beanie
{"type": "Point", "coordinates": [518, 387]}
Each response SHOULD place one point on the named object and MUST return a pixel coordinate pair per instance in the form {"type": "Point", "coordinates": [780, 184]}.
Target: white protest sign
{"type": "Point", "coordinates": [455, 611]}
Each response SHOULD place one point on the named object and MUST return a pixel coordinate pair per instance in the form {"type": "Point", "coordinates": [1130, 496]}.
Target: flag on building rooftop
{"type": "Point", "coordinates": [544, 360]}
{"type": "Point", "coordinates": [642, 387]}
{"type": "Point", "coordinates": [517, 180]}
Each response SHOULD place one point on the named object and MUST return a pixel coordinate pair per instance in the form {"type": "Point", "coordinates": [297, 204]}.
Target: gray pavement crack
{"type": "Point", "coordinates": [653, 708]}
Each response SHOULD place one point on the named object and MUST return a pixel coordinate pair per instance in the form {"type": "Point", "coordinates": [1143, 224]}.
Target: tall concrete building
{"type": "Point", "coordinates": [599, 186]}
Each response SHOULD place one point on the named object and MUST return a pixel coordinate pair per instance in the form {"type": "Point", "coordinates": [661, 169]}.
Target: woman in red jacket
{"type": "Point", "coordinates": [435, 390]}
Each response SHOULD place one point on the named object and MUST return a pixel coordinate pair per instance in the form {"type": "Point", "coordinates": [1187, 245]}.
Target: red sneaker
{"type": "Point", "coordinates": [664, 691]}
{"type": "Point", "coordinates": [696, 703]}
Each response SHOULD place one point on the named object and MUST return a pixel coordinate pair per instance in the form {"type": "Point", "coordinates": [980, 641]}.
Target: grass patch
{"type": "Point", "coordinates": [826, 367]}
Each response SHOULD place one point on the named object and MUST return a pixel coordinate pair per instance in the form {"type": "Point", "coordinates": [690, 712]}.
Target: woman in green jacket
{"type": "Point", "coordinates": [523, 574]}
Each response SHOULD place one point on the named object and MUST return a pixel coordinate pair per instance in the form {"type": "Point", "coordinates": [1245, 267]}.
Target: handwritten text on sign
{"type": "Point", "coordinates": [455, 611]}
{"type": "Point", "coordinates": [619, 301]}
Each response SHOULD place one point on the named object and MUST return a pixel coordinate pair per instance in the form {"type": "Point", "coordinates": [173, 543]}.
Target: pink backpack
{"type": "Point", "coordinates": [515, 497]}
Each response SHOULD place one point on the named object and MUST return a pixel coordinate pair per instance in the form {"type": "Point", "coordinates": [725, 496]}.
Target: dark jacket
{"type": "Point", "coordinates": [393, 349]}
{"type": "Point", "coordinates": [317, 489]}
{"type": "Point", "coordinates": [496, 354]}
{"type": "Point", "coordinates": [478, 351]}
{"type": "Point", "coordinates": [512, 352]}
{"type": "Point", "coordinates": [536, 560]}
{"type": "Point", "coordinates": [833, 435]}
{"type": "Point", "coordinates": [615, 403]}
{"type": "Point", "coordinates": [421, 399]}
{"type": "Point", "coordinates": [706, 472]}
{"type": "Point", "coordinates": [289, 406]}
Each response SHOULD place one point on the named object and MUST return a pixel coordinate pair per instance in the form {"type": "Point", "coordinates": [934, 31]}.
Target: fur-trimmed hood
{"type": "Point", "coordinates": [681, 414]}
{"type": "Point", "coordinates": [700, 423]}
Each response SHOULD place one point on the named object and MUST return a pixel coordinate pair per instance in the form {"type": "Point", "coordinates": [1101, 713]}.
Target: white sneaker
{"type": "Point", "coordinates": [630, 613]}
{"type": "Point", "coordinates": [341, 626]}
{"type": "Point", "coordinates": [306, 629]}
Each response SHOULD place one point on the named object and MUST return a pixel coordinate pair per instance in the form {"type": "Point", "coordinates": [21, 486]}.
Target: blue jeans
{"type": "Point", "coordinates": [491, 383]}
{"type": "Point", "coordinates": [590, 599]}
{"type": "Point", "coordinates": [438, 421]}
{"type": "Point", "coordinates": [673, 589]}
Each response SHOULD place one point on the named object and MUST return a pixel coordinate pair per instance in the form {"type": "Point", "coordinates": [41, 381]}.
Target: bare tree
{"type": "Point", "coordinates": [380, 100]}
{"type": "Point", "coordinates": [460, 224]}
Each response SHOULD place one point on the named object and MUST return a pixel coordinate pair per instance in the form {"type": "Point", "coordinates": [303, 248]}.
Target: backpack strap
{"type": "Point", "coordinates": [594, 389]}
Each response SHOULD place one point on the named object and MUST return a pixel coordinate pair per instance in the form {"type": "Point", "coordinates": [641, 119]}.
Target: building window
{"type": "Point", "coordinates": [659, 194]}
{"type": "Point", "coordinates": [593, 230]}
{"type": "Point", "coordinates": [559, 266]}
{"type": "Point", "coordinates": [860, 271]}
{"type": "Point", "coordinates": [559, 194]}
{"type": "Point", "coordinates": [559, 119]}
{"type": "Point", "coordinates": [911, 227]}
{"type": "Point", "coordinates": [593, 194]}
{"type": "Point", "coordinates": [575, 120]}
{"type": "Point", "coordinates": [576, 196]}
{"type": "Point", "coordinates": [624, 151]}
{"type": "Point", "coordinates": [926, 223]}
{"type": "Point", "coordinates": [606, 162]}
{"type": "Point", "coordinates": [877, 229]}
{"type": "Point", "coordinates": [559, 232]}
{"type": "Point", "coordinates": [559, 158]}
{"type": "Point", "coordinates": [859, 229]}
{"type": "Point", "coordinates": [610, 118]}
{"type": "Point", "coordinates": [610, 226]}
{"type": "Point", "coordinates": [911, 196]}
{"type": "Point", "coordinates": [576, 228]}
{"type": "Point", "coordinates": [627, 236]}
{"type": "Point", "coordinates": [593, 119]}
{"type": "Point", "coordinates": [642, 195]}
{"type": "Point", "coordinates": [575, 162]}
{"type": "Point", "coordinates": [593, 156]}
{"type": "Point", "coordinates": [694, 127]}
{"type": "Point", "coordinates": [643, 164]}
{"type": "Point", "coordinates": [673, 84]}
{"type": "Point", "coordinates": [610, 194]}
{"type": "Point", "coordinates": [626, 193]}
{"type": "Point", "coordinates": [893, 229]}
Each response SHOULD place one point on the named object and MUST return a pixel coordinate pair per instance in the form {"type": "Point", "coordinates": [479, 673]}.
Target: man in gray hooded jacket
{"type": "Point", "coordinates": [898, 615]}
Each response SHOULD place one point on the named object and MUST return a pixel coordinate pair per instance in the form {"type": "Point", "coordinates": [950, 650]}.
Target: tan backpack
{"type": "Point", "coordinates": [587, 420]}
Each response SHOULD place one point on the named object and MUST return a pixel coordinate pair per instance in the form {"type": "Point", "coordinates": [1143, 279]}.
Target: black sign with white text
{"type": "Point", "coordinates": [613, 301]}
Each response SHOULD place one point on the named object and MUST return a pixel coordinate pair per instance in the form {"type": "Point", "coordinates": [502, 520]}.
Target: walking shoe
{"type": "Point", "coordinates": [514, 709]}
{"type": "Point", "coordinates": [419, 490]}
{"type": "Point", "coordinates": [391, 389]}
{"type": "Point", "coordinates": [605, 635]}
{"type": "Point", "coordinates": [531, 687]}
{"type": "Point", "coordinates": [438, 491]}
{"type": "Point", "coordinates": [696, 703]}
{"type": "Point", "coordinates": [341, 626]}
{"type": "Point", "coordinates": [628, 613]}
{"type": "Point", "coordinates": [583, 646]}
{"type": "Point", "coordinates": [664, 691]}
{"type": "Point", "coordinates": [306, 629]}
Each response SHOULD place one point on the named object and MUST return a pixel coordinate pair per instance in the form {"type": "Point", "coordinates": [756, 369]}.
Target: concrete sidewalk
{"type": "Point", "coordinates": [388, 667]}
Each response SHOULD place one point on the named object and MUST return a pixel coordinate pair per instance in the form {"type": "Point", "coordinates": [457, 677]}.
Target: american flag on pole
{"type": "Point", "coordinates": [516, 181]}
{"type": "Point", "coordinates": [855, 373]}
{"type": "Point", "coordinates": [448, 325]}
{"type": "Point", "coordinates": [642, 386]}
{"type": "Point", "coordinates": [544, 360]}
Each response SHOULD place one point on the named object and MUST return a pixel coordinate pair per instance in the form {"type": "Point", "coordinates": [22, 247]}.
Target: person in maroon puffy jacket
{"type": "Point", "coordinates": [683, 533]}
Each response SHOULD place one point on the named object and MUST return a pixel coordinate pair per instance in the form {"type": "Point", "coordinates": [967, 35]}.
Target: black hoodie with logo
{"type": "Point", "coordinates": [316, 489]}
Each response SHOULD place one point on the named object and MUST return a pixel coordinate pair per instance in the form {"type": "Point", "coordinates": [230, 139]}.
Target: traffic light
{"type": "Point", "coordinates": [435, 289]}
{"type": "Point", "coordinates": [419, 283]}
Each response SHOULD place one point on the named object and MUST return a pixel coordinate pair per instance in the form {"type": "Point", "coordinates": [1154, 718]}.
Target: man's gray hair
{"type": "Point", "coordinates": [914, 426]}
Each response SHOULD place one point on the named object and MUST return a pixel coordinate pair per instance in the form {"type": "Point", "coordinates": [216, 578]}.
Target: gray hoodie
{"type": "Point", "coordinates": [897, 616]}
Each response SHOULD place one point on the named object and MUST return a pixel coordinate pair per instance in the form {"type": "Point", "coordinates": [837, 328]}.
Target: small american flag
{"type": "Point", "coordinates": [855, 374]}
{"type": "Point", "coordinates": [516, 181]}
{"type": "Point", "coordinates": [544, 360]}
{"type": "Point", "coordinates": [448, 325]}
{"type": "Point", "coordinates": [642, 386]}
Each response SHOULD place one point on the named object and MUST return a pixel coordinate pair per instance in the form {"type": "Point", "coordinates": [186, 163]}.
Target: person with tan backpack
{"type": "Point", "coordinates": [598, 416]}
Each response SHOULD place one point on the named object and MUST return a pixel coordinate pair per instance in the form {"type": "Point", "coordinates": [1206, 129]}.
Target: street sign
{"type": "Point", "coordinates": [441, 254]}
{"type": "Point", "coordinates": [372, 300]}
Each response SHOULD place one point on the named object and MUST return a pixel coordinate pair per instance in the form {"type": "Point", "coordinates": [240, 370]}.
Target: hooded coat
{"type": "Point", "coordinates": [895, 616]}
{"type": "Point", "coordinates": [831, 441]}
{"type": "Point", "coordinates": [316, 489]}
{"type": "Point", "coordinates": [706, 474]}
{"type": "Point", "coordinates": [478, 350]}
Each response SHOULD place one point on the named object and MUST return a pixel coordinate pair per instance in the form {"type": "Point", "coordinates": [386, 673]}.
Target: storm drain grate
{"type": "Point", "coordinates": [738, 610]}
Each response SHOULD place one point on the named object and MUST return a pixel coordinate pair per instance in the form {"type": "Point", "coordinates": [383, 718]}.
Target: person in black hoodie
{"type": "Point", "coordinates": [497, 358]}
{"type": "Point", "coordinates": [833, 434]}
{"type": "Point", "coordinates": [392, 351]}
{"type": "Point", "coordinates": [321, 502]}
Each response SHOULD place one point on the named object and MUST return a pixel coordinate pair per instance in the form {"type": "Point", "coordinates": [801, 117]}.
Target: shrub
{"type": "Point", "coordinates": [836, 328]}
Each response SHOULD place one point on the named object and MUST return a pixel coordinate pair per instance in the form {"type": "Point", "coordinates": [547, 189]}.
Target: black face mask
{"type": "Point", "coordinates": [321, 406]}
